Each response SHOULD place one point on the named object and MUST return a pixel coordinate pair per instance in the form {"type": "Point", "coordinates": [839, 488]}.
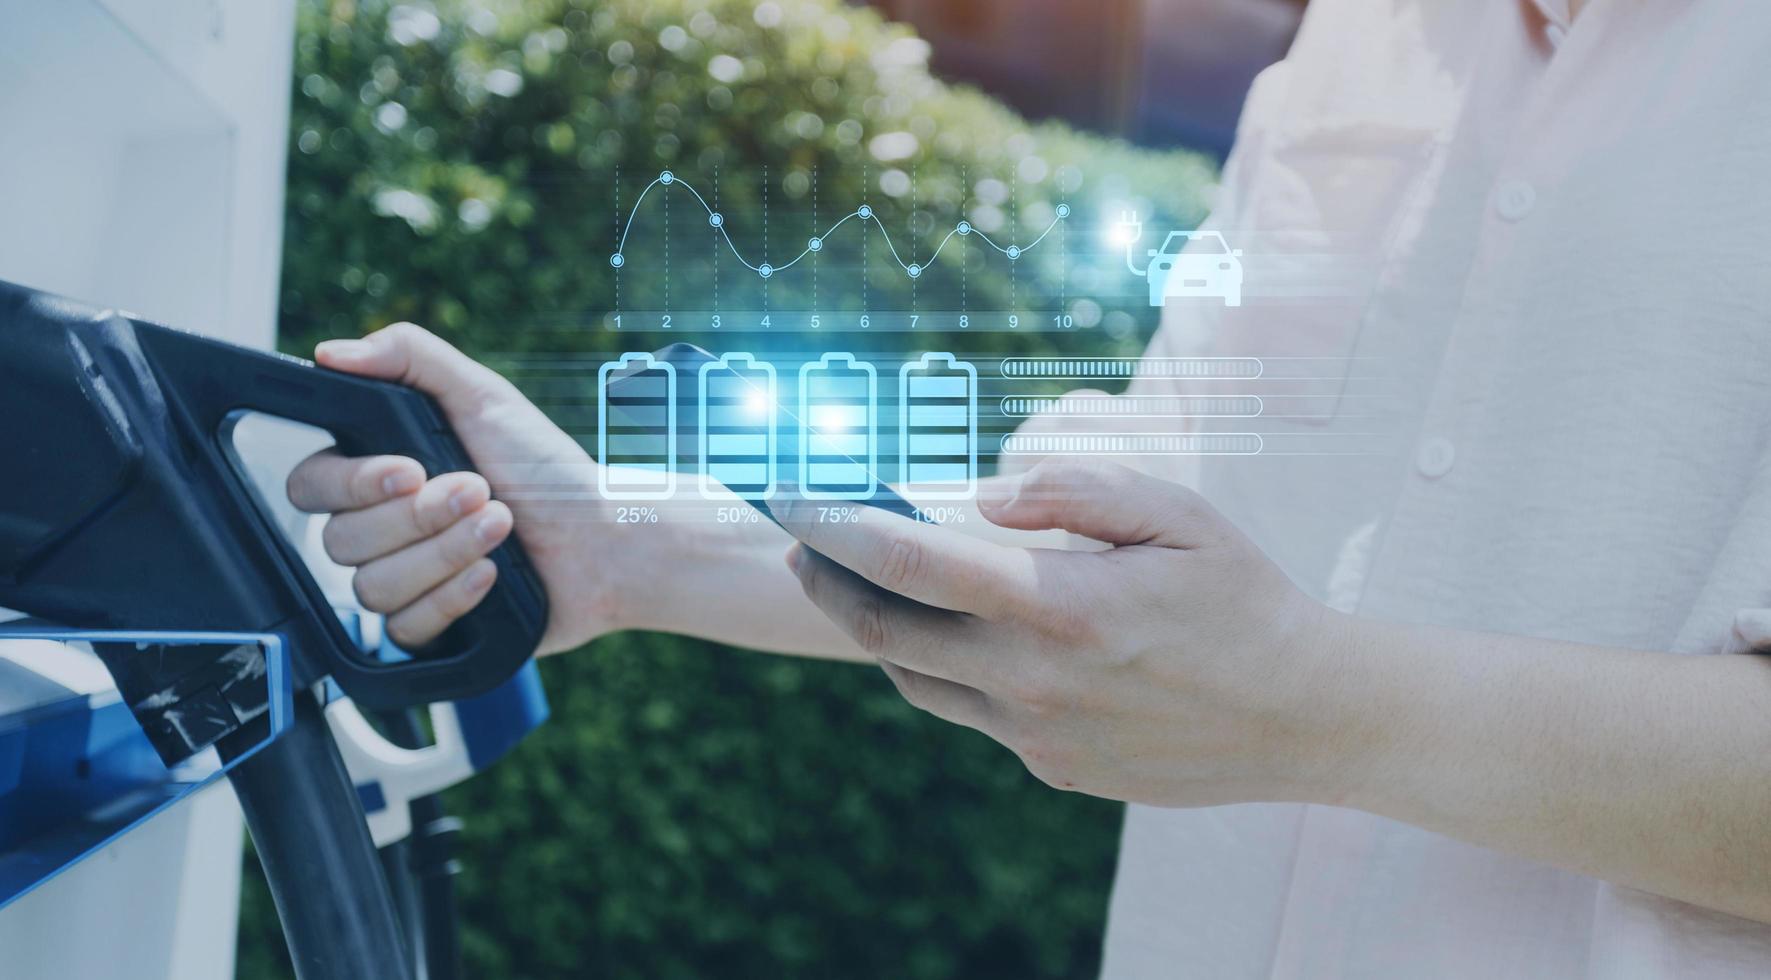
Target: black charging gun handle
{"type": "Point", "coordinates": [365, 417]}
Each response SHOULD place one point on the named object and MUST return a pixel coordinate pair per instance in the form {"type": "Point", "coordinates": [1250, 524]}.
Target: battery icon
{"type": "Point", "coordinates": [938, 427]}
{"type": "Point", "coordinates": [737, 431]}
{"type": "Point", "coordinates": [838, 448]}
{"type": "Point", "coordinates": [636, 428]}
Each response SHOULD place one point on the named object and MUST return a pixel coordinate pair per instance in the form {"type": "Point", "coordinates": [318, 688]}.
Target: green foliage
{"type": "Point", "coordinates": [417, 192]}
{"type": "Point", "coordinates": [692, 811]}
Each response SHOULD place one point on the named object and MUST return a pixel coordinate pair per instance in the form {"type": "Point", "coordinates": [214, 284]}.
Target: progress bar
{"type": "Point", "coordinates": [1214, 368]}
{"type": "Point", "coordinates": [1134, 444]}
{"type": "Point", "coordinates": [1154, 407]}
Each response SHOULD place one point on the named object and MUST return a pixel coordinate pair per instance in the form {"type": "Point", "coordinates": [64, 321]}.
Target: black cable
{"type": "Point", "coordinates": [434, 865]}
{"type": "Point", "coordinates": [405, 896]}
{"type": "Point", "coordinates": [312, 839]}
{"type": "Point", "coordinates": [431, 864]}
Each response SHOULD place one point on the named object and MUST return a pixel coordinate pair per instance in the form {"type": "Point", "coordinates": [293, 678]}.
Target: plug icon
{"type": "Point", "coordinates": [1127, 230]}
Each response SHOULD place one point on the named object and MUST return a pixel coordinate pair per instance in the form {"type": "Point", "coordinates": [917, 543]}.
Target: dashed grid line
{"type": "Point", "coordinates": [765, 264]}
{"type": "Point", "coordinates": [814, 225]}
{"type": "Point", "coordinates": [618, 232]}
{"type": "Point", "coordinates": [716, 251]}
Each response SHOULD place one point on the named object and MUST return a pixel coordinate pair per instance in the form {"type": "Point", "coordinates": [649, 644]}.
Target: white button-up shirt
{"type": "Point", "coordinates": [1537, 255]}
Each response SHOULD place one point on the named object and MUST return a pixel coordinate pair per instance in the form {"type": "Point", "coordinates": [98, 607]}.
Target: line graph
{"type": "Point", "coordinates": [864, 214]}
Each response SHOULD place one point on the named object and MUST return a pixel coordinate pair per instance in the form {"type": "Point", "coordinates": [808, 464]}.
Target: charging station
{"type": "Point", "coordinates": [174, 651]}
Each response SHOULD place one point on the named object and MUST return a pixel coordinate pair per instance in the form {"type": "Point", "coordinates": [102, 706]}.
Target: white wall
{"type": "Point", "coordinates": [143, 155]}
{"type": "Point", "coordinates": [142, 148]}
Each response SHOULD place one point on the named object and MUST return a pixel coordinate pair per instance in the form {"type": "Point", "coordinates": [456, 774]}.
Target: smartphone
{"type": "Point", "coordinates": [637, 384]}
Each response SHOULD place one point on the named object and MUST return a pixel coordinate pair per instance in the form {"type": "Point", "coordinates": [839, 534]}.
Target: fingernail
{"type": "Point", "coordinates": [400, 481]}
{"type": "Point", "coordinates": [487, 529]}
{"type": "Point", "coordinates": [796, 557]}
{"type": "Point", "coordinates": [349, 350]}
{"type": "Point", "coordinates": [481, 576]}
{"type": "Point", "coordinates": [997, 494]}
{"type": "Point", "coordinates": [457, 502]}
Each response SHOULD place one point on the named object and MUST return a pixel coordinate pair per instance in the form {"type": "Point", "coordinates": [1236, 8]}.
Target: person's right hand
{"type": "Point", "coordinates": [418, 545]}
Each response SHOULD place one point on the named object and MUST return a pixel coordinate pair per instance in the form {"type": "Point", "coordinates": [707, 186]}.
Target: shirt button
{"type": "Point", "coordinates": [1435, 458]}
{"type": "Point", "coordinates": [1514, 199]}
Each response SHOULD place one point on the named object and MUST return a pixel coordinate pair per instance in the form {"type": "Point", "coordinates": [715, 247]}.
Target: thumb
{"type": "Point", "coordinates": [414, 356]}
{"type": "Point", "coordinates": [1105, 501]}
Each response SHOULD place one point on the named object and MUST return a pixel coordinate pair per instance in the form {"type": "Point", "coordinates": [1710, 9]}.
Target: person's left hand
{"type": "Point", "coordinates": [1179, 667]}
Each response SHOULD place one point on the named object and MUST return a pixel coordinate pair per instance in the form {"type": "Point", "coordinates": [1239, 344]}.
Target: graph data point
{"type": "Point", "coordinates": [666, 177]}
{"type": "Point", "coordinates": [965, 228]}
{"type": "Point", "coordinates": [815, 244]}
{"type": "Point", "coordinates": [914, 270]}
{"type": "Point", "coordinates": [617, 260]}
{"type": "Point", "coordinates": [864, 211]}
{"type": "Point", "coordinates": [765, 270]}
{"type": "Point", "coordinates": [716, 219]}
{"type": "Point", "coordinates": [1063, 210]}
{"type": "Point", "coordinates": [1014, 251]}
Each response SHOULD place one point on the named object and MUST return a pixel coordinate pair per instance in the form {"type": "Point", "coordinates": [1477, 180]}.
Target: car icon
{"type": "Point", "coordinates": [1196, 263]}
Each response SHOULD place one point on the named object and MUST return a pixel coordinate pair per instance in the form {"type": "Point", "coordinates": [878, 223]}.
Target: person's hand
{"type": "Point", "coordinates": [419, 545]}
{"type": "Point", "coordinates": [1177, 668]}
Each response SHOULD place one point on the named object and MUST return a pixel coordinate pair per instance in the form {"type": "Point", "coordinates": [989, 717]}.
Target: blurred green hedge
{"type": "Point", "coordinates": [693, 811]}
